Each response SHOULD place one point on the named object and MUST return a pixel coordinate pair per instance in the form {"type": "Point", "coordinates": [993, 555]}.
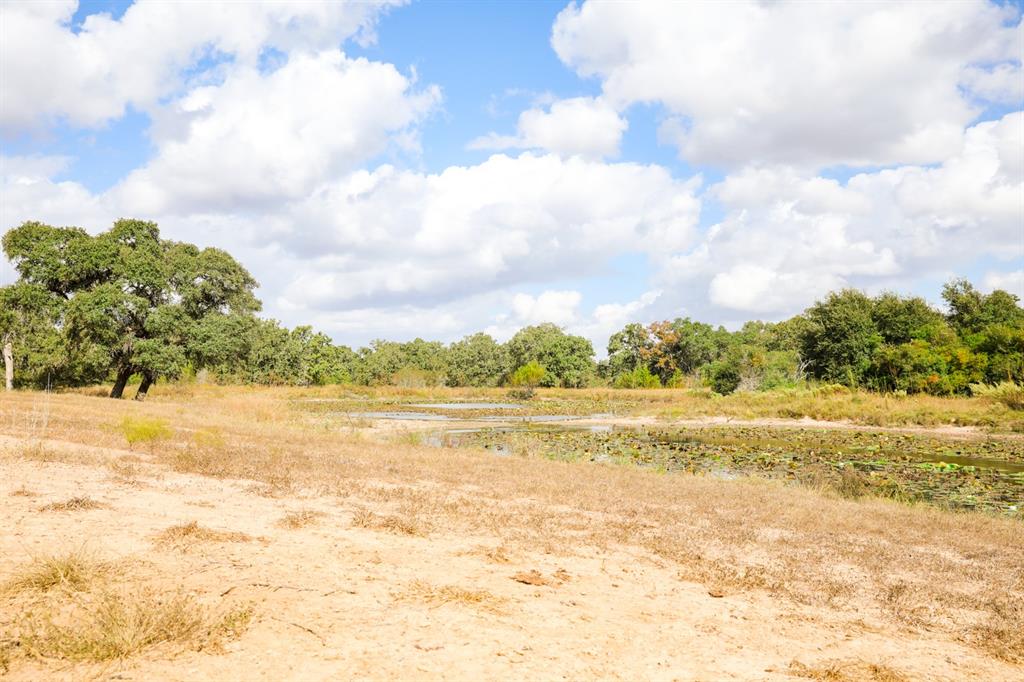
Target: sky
{"type": "Point", "coordinates": [434, 169]}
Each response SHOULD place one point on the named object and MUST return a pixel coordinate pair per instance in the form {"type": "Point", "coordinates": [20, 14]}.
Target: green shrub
{"type": "Point", "coordinates": [144, 430]}
{"type": "Point", "coordinates": [527, 378]}
{"type": "Point", "coordinates": [640, 377]}
{"type": "Point", "coordinates": [724, 376]}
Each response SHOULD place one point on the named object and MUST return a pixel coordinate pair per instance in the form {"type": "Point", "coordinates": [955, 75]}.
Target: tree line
{"type": "Point", "coordinates": [127, 305]}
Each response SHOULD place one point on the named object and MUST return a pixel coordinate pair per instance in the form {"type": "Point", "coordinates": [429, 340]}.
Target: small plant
{"type": "Point", "coordinates": [640, 377]}
{"type": "Point", "coordinates": [526, 379]}
{"type": "Point", "coordinates": [73, 572]}
{"type": "Point", "coordinates": [144, 430]}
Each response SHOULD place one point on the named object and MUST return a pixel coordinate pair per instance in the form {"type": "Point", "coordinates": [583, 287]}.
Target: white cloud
{"type": "Point", "coordinates": [259, 138]}
{"type": "Point", "coordinates": [1012, 282]}
{"type": "Point", "coordinates": [580, 125]}
{"type": "Point", "coordinates": [801, 82]}
{"type": "Point", "coordinates": [559, 307]}
{"type": "Point", "coordinates": [788, 238]}
{"type": "Point", "coordinates": [402, 236]}
{"type": "Point", "coordinates": [93, 74]}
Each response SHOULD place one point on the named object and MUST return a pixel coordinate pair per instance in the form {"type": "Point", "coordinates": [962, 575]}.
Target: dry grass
{"type": "Point", "coordinates": [914, 566]}
{"type": "Point", "coordinates": [74, 571]}
{"type": "Point", "coordinates": [295, 520]}
{"type": "Point", "coordinates": [399, 525]}
{"type": "Point", "coordinates": [117, 624]}
{"type": "Point", "coordinates": [1002, 634]}
{"type": "Point", "coordinates": [23, 492]}
{"type": "Point", "coordinates": [185, 535]}
{"type": "Point", "coordinates": [847, 671]}
{"type": "Point", "coordinates": [440, 595]}
{"type": "Point", "coordinates": [73, 504]}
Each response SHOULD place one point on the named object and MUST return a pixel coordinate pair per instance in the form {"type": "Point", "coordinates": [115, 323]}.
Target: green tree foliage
{"type": "Point", "coordinates": [639, 377]}
{"type": "Point", "coordinates": [130, 295]}
{"type": "Point", "coordinates": [34, 351]}
{"type": "Point", "coordinates": [568, 359]}
{"type": "Point", "coordinates": [88, 309]}
{"type": "Point", "coordinates": [840, 338]}
{"type": "Point", "coordinates": [628, 350]}
{"type": "Point", "coordinates": [477, 360]}
{"type": "Point", "coordinates": [527, 378]}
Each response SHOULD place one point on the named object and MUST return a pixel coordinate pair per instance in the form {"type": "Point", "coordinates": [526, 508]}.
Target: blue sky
{"type": "Point", "coordinates": [488, 165]}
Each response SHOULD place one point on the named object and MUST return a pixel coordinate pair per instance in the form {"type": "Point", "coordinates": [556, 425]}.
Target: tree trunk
{"type": "Point", "coordinates": [122, 378]}
{"type": "Point", "coordinates": [9, 365]}
{"type": "Point", "coordinates": [147, 381]}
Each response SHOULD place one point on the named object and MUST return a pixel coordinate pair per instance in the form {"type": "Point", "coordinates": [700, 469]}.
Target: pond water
{"type": "Point", "coordinates": [978, 474]}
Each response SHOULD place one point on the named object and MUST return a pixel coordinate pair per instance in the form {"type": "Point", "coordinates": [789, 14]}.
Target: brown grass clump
{"type": "Point", "coordinates": [116, 625]}
{"type": "Point", "coordinates": [300, 519]}
{"type": "Point", "coordinates": [23, 492]}
{"type": "Point", "coordinates": [847, 671]}
{"type": "Point", "coordinates": [73, 504]}
{"type": "Point", "coordinates": [1002, 633]}
{"type": "Point", "coordinates": [184, 535]}
{"type": "Point", "coordinates": [399, 525]}
{"type": "Point", "coordinates": [439, 595]}
{"type": "Point", "coordinates": [74, 572]}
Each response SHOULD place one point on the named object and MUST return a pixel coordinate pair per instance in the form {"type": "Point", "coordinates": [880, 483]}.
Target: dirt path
{"type": "Point", "coordinates": [334, 601]}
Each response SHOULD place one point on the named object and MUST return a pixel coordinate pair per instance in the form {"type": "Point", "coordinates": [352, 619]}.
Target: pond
{"type": "Point", "coordinates": [982, 473]}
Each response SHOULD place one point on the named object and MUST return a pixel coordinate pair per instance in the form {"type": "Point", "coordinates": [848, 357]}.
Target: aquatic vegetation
{"type": "Point", "coordinates": [985, 474]}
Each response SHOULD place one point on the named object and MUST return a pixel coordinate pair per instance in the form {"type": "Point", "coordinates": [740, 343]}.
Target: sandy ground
{"type": "Point", "coordinates": [335, 601]}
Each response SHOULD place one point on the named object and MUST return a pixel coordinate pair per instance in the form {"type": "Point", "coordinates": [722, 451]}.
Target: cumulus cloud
{"type": "Point", "coordinates": [581, 125]}
{"type": "Point", "coordinates": [266, 137]}
{"type": "Point", "coordinates": [788, 238]}
{"type": "Point", "coordinates": [559, 307]}
{"type": "Point", "coordinates": [804, 83]}
{"type": "Point", "coordinates": [1007, 281]}
{"type": "Point", "coordinates": [402, 236]}
{"type": "Point", "coordinates": [152, 51]}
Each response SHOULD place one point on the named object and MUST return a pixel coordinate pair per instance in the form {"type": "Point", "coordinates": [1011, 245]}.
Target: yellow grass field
{"type": "Point", "coordinates": [221, 533]}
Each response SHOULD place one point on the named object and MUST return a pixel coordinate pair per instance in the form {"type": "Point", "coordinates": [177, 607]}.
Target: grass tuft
{"type": "Point", "coordinates": [439, 595]}
{"type": "Point", "coordinates": [400, 525]}
{"type": "Point", "coordinates": [116, 625]}
{"type": "Point", "coordinates": [300, 519]}
{"type": "Point", "coordinates": [73, 504]}
{"type": "Point", "coordinates": [74, 572]}
{"type": "Point", "coordinates": [847, 671]}
{"type": "Point", "coordinates": [184, 535]}
{"type": "Point", "coordinates": [144, 430]}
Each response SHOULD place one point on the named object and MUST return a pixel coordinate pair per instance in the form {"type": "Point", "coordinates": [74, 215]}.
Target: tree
{"type": "Point", "coordinates": [477, 360]}
{"type": "Point", "coordinates": [840, 338]}
{"type": "Point", "coordinates": [130, 293]}
{"type": "Point", "coordinates": [970, 311]}
{"type": "Point", "coordinates": [568, 359]}
{"type": "Point", "coordinates": [901, 320]}
{"type": "Point", "coordinates": [628, 349]}
{"type": "Point", "coordinates": [28, 315]}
